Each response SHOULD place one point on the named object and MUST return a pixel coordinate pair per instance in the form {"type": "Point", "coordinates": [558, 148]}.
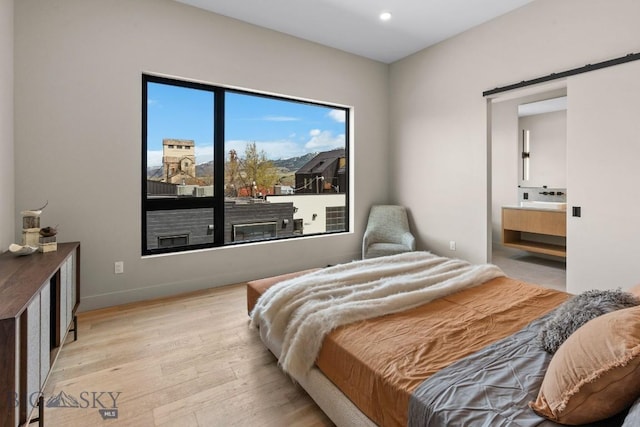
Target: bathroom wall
{"type": "Point", "coordinates": [538, 194]}
{"type": "Point", "coordinates": [547, 149]}
{"type": "Point", "coordinates": [504, 164]}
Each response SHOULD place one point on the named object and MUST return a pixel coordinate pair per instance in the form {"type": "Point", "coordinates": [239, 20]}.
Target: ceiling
{"type": "Point", "coordinates": [541, 107]}
{"type": "Point", "coordinates": [354, 25]}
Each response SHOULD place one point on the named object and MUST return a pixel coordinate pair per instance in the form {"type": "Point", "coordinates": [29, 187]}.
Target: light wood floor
{"type": "Point", "coordinates": [184, 361]}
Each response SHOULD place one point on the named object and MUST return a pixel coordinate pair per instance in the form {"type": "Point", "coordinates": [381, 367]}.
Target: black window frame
{"type": "Point", "coordinates": [217, 201]}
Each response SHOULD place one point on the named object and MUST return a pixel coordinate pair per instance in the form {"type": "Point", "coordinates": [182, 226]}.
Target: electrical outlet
{"type": "Point", "coordinates": [119, 267]}
{"type": "Point", "coordinates": [452, 245]}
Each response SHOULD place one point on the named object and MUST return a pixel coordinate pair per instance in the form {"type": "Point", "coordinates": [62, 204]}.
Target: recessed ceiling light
{"type": "Point", "coordinates": [385, 16]}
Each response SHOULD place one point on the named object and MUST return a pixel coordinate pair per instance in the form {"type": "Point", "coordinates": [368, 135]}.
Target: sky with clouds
{"type": "Point", "coordinates": [281, 128]}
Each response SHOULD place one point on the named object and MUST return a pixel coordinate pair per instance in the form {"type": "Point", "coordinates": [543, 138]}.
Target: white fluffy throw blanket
{"type": "Point", "coordinates": [301, 311]}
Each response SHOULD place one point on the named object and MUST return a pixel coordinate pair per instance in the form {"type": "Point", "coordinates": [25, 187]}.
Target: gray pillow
{"type": "Point", "coordinates": [577, 311]}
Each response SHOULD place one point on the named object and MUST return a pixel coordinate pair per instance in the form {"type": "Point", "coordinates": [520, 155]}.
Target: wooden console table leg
{"type": "Point", "coordinates": [75, 328]}
{"type": "Point", "coordinates": [40, 419]}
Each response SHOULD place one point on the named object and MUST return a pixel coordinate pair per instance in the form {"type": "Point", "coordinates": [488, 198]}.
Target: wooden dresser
{"type": "Point", "coordinates": [39, 295]}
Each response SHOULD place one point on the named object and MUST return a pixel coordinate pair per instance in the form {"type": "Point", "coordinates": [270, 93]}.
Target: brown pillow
{"type": "Point", "coordinates": [595, 373]}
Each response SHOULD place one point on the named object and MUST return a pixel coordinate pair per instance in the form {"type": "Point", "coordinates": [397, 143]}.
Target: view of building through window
{"type": "Point", "coordinates": [223, 166]}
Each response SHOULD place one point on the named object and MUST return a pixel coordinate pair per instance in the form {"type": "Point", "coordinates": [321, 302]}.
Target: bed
{"type": "Point", "coordinates": [466, 355]}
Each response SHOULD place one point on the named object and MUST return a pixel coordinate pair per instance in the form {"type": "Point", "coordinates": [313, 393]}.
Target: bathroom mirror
{"type": "Point", "coordinates": [542, 143]}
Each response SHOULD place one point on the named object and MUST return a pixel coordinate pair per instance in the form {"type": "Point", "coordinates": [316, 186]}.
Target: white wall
{"type": "Point", "coordinates": [7, 199]}
{"type": "Point", "coordinates": [438, 115]}
{"type": "Point", "coordinates": [548, 148]}
{"type": "Point", "coordinates": [603, 175]}
{"type": "Point", "coordinates": [78, 128]}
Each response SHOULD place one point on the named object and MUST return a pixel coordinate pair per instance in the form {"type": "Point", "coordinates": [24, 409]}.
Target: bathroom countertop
{"type": "Point", "coordinates": [533, 208]}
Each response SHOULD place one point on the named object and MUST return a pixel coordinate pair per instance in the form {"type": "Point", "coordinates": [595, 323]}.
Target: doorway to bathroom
{"type": "Point", "coordinates": [528, 156]}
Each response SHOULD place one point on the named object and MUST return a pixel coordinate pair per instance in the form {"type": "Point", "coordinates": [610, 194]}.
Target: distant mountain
{"type": "Point", "coordinates": [154, 172]}
{"type": "Point", "coordinates": [294, 163]}
{"type": "Point", "coordinates": [204, 169]}
{"type": "Point", "coordinates": [291, 164]}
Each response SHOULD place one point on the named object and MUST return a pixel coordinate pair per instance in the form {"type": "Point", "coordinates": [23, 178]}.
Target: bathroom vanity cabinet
{"type": "Point", "coordinates": [39, 295]}
{"type": "Point", "coordinates": [535, 230]}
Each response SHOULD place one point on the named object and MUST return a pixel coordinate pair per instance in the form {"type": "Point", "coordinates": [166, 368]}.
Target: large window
{"type": "Point", "coordinates": [222, 166]}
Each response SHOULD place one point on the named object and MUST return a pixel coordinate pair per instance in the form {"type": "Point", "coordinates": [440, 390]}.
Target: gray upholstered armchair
{"type": "Point", "coordinates": [387, 232]}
